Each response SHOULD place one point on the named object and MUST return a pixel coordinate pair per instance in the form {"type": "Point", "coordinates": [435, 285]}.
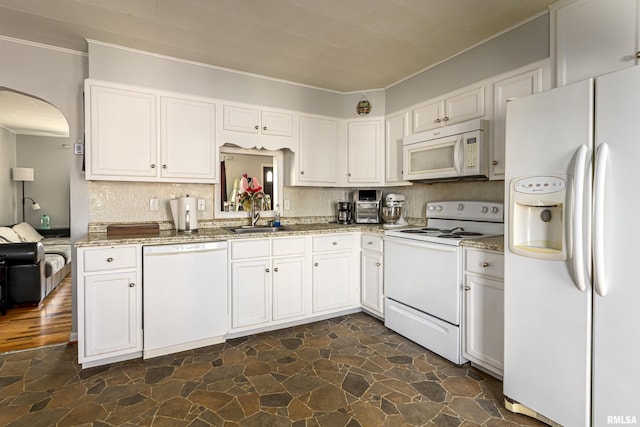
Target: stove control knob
{"type": "Point", "coordinates": [438, 208]}
{"type": "Point", "coordinates": [431, 208]}
{"type": "Point", "coordinates": [495, 210]}
{"type": "Point", "coordinates": [484, 209]}
{"type": "Point", "coordinates": [460, 206]}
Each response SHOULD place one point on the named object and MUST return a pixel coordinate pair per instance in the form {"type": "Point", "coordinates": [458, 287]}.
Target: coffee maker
{"type": "Point", "coordinates": [344, 212]}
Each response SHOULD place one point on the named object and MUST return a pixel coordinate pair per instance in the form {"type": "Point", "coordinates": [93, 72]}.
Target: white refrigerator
{"type": "Point", "coordinates": [572, 269]}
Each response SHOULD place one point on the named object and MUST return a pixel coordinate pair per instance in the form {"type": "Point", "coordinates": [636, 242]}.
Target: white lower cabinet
{"type": "Point", "coordinates": [268, 281]}
{"type": "Point", "coordinates": [372, 273]}
{"type": "Point", "coordinates": [483, 322]}
{"type": "Point", "coordinates": [335, 278]}
{"type": "Point", "coordinates": [109, 304]}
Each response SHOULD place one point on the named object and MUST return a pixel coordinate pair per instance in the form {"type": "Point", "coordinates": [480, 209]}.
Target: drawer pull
{"type": "Point", "coordinates": [485, 264]}
{"type": "Point", "coordinates": [109, 259]}
{"type": "Point", "coordinates": [369, 243]}
{"type": "Point", "coordinates": [131, 285]}
{"type": "Point", "coordinates": [334, 243]}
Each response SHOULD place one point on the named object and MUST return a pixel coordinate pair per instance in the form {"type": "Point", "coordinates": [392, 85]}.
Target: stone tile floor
{"type": "Point", "coordinates": [348, 371]}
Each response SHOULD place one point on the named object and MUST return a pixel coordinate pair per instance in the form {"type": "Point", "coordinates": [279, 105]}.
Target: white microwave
{"type": "Point", "coordinates": [459, 151]}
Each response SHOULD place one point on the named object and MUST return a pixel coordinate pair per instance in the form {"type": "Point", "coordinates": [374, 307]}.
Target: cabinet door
{"type": "Point", "coordinates": [250, 294]}
{"type": "Point", "coordinates": [276, 123]}
{"type": "Point", "coordinates": [112, 314]}
{"type": "Point", "coordinates": [396, 127]}
{"type": "Point", "coordinates": [188, 139]}
{"type": "Point", "coordinates": [484, 322]}
{"type": "Point", "coordinates": [428, 116]}
{"type": "Point", "coordinates": [318, 150]}
{"type": "Point", "coordinates": [364, 152]}
{"type": "Point", "coordinates": [241, 119]}
{"type": "Point", "coordinates": [593, 37]}
{"type": "Point", "coordinates": [513, 87]}
{"type": "Point", "coordinates": [122, 133]}
{"type": "Point", "coordinates": [288, 285]}
{"type": "Point", "coordinates": [372, 281]}
{"type": "Point", "coordinates": [464, 106]}
{"type": "Point", "coordinates": [331, 281]}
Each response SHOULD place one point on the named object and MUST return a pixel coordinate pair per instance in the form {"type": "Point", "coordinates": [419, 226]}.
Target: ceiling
{"type": "Point", "coordinates": [340, 45]}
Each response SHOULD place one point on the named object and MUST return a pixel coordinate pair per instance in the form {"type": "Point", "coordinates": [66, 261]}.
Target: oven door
{"type": "Point", "coordinates": [424, 276]}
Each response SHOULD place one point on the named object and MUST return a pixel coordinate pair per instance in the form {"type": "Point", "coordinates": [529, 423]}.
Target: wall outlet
{"type": "Point", "coordinates": [201, 205]}
{"type": "Point", "coordinates": [287, 204]}
{"type": "Point", "coordinates": [153, 204]}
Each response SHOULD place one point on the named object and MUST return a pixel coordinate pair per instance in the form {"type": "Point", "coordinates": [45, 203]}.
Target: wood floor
{"type": "Point", "coordinates": [32, 327]}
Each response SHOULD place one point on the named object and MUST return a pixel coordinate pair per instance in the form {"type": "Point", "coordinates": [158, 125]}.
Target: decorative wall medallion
{"type": "Point", "coordinates": [364, 106]}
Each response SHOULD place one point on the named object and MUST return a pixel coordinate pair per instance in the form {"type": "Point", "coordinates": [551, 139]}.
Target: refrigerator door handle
{"type": "Point", "coordinates": [578, 215]}
{"type": "Point", "coordinates": [602, 156]}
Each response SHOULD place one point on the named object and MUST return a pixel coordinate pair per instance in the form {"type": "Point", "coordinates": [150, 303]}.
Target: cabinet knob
{"type": "Point", "coordinates": [275, 269]}
{"type": "Point", "coordinates": [267, 270]}
{"type": "Point", "coordinates": [438, 120]}
{"type": "Point", "coordinates": [467, 288]}
{"type": "Point", "coordinates": [257, 127]}
{"type": "Point", "coordinates": [164, 166]}
{"type": "Point", "coordinates": [378, 264]}
{"type": "Point", "coordinates": [349, 174]}
{"type": "Point", "coordinates": [109, 259]}
{"type": "Point", "coordinates": [131, 285]}
{"type": "Point", "coordinates": [495, 162]}
{"type": "Point", "coordinates": [301, 172]}
{"type": "Point", "coordinates": [485, 264]}
{"type": "Point", "coordinates": [446, 119]}
{"type": "Point", "coordinates": [334, 243]}
{"type": "Point", "coordinates": [638, 54]}
{"type": "Point", "coordinates": [316, 264]}
{"type": "Point", "coordinates": [153, 165]}
{"type": "Point", "coordinates": [264, 128]}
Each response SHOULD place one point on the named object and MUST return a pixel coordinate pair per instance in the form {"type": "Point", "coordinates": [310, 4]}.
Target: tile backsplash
{"type": "Point", "coordinates": [124, 202]}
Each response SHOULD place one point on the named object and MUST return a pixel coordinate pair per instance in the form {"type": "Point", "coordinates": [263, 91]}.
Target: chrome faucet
{"type": "Point", "coordinates": [255, 214]}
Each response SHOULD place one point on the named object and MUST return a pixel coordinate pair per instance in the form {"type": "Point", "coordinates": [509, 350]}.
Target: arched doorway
{"type": "Point", "coordinates": [34, 139]}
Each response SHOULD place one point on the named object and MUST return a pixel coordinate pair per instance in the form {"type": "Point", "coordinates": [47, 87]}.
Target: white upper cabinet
{"type": "Point", "coordinates": [254, 127]}
{"type": "Point", "coordinates": [593, 37]}
{"type": "Point", "coordinates": [397, 127]}
{"type": "Point", "coordinates": [315, 162]}
{"type": "Point", "coordinates": [516, 84]}
{"type": "Point", "coordinates": [137, 134]}
{"type": "Point", "coordinates": [122, 133]}
{"type": "Point", "coordinates": [456, 107]}
{"type": "Point", "coordinates": [187, 138]}
{"type": "Point", "coordinates": [365, 157]}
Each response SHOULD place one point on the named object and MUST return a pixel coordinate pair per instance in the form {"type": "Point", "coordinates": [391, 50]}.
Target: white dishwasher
{"type": "Point", "coordinates": [184, 297]}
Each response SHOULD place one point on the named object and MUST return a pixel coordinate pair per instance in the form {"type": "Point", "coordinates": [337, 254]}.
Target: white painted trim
{"type": "Point", "coordinates": [44, 46]}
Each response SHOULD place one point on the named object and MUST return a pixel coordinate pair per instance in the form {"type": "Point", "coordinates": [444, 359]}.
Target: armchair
{"type": "Point", "coordinates": [25, 272]}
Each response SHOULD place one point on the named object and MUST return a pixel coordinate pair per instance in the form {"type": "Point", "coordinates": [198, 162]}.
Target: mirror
{"type": "Point", "coordinates": [265, 165]}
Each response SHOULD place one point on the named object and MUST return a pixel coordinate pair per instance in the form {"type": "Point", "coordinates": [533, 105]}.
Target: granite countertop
{"type": "Point", "coordinates": [495, 243]}
{"type": "Point", "coordinates": [220, 233]}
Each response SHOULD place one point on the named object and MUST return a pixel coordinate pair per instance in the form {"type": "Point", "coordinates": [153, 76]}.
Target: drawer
{"type": "Point", "coordinates": [482, 262]}
{"type": "Point", "coordinates": [288, 246]}
{"type": "Point", "coordinates": [246, 249]}
{"type": "Point", "coordinates": [110, 258]}
{"type": "Point", "coordinates": [332, 242]}
{"type": "Point", "coordinates": [371, 242]}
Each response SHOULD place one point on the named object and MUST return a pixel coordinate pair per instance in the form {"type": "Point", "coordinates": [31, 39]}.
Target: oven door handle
{"type": "Point", "coordinates": [457, 155]}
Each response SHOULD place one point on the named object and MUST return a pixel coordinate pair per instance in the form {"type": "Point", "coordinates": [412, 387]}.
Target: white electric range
{"type": "Point", "coordinates": [423, 273]}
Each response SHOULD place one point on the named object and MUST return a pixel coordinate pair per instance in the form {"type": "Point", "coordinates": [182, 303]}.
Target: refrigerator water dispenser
{"type": "Point", "coordinates": [538, 223]}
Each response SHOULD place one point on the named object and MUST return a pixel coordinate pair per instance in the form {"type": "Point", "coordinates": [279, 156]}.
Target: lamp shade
{"type": "Point", "coordinates": [22, 174]}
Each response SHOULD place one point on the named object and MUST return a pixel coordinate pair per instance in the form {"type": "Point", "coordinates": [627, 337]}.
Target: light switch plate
{"type": "Point", "coordinates": [287, 204]}
{"type": "Point", "coordinates": [153, 204]}
{"type": "Point", "coordinates": [201, 205]}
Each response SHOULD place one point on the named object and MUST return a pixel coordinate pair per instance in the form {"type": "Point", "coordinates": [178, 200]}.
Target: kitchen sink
{"type": "Point", "coordinates": [258, 229]}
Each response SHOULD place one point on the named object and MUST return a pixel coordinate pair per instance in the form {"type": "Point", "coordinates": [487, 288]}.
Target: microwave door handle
{"type": "Point", "coordinates": [457, 155]}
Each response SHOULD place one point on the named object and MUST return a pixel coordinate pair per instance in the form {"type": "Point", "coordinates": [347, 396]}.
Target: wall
{"type": "Point", "coordinates": [8, 194]}
{"type": "Point", "coordinates": [521, 46]}
{"type": "Point", "coordinates": [51, 162]}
